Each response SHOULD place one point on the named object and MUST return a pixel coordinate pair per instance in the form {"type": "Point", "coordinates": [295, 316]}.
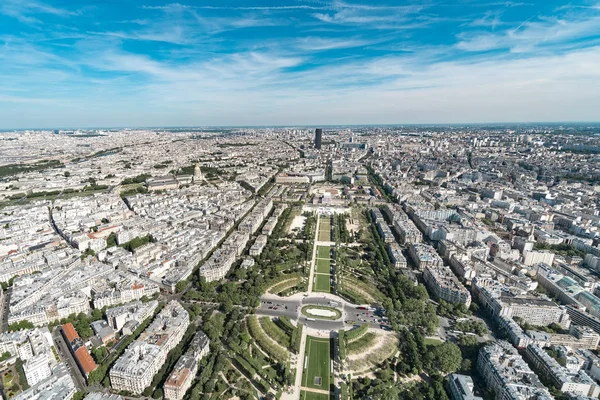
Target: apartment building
{"type": "Point", "coordinates": [424, 256]}
{"type": "Point", "coordinates": [461, 387]}
{"type": "Point", "coordinates": [576, 383]}
{"type": "Point", "coordinates": [184, 372]}
{"type": "Point", "coordinates": [508, 375]}
{"type": "Point", "coordinates": [444, 285]}
{"type": "Point", "coordinates": [136, 367]}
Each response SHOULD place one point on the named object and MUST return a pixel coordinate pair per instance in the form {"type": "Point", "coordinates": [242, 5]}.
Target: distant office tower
{"type": "Point", "coordinates": [318, 136]}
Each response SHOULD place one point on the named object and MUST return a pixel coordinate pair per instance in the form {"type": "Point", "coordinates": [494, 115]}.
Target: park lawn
{"type": "Point", "coordinates": [432, 342]}
{"type": "Point", "coordinates": [313, 396]}
{"type": "Point", "coordinates": [323, 266]}
{"type": "Point", "coordinates": [324, 252]}
{"type": "Point", "coordinates": [324, 223]}
{"type": "Point", "coordinates": [322, 283]}
{"type": "Point", "coordinates": [325, 236]}
{"type": "Point", "coordinates": [318, 354]}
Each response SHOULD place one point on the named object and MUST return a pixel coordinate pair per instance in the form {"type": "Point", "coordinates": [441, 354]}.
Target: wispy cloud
{"type": "Point", "coordinates": [26, 10]}
{"type": "Point", "coordinates": [322, 44]}
{"type": "Point", "coordinates": [362, 14]}
{"type": "Point", "coordinates": [534, 33]}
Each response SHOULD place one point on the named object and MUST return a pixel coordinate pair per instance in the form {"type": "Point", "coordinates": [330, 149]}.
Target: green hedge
{"type": "Point", "coordinates": [285, 324]}
{"type": "Point", "coordinates": [297, 338]}
{"type": "Point", "coordinates": [342, 343]}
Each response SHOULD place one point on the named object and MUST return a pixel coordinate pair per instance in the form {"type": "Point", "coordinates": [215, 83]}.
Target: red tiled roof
{"type": "Point", "coordinates": [70, 332]}
{"type": "Point", "coordinates": [85, 360]}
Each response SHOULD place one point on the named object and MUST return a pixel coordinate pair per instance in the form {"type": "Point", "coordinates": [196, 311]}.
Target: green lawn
{"type": "Point", "coordinates": [323, 266]}
{"type": "Point", "coordinates": [324, 252]}
{"type": "Point", "coordinates": [322, 283]}
{"type": "Point", "coordinates": [313, 396]}
{"type": "Point", "coordinates": [325, 235]}
{"type": "Point", "coordinates": [318, 354]}
{"type": "Point", "coordinates": [324, 230]}
{"type": "Point", "coordinates": [324, 223]}
{"type": "Point", "coordinates": [433, 342]}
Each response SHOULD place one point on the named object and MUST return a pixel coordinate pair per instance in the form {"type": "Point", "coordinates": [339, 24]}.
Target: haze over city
{"type": "Point", "coordinates": [230, 63]}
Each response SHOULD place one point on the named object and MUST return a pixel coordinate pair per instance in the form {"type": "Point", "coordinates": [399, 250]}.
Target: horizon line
{"type": "Point", "coordinates": [440, 124]}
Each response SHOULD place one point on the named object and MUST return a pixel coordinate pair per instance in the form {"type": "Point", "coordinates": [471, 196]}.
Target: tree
{"type": "Point", "coordinates": [465, 366]}
{"type": "Point", "coordinates": [445, 358]}
{"type": "Point", "coordinates": [180, 286]}
{"type": "Point", "coordinates": [111, 240]}
{"type": "Point", "coordinates": [78, 396]}
{"type": "Point", "coordinates": [99, 353]}
{"type": "Point", "coordinates": [67, 174]}
{"type": "Point", "coordinates": [467, 341]}
{"type": "Point", "coordinates": [17, 326]}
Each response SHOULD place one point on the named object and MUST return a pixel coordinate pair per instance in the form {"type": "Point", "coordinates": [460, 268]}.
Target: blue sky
{"type": "Point", "coordinates": [82, 63]}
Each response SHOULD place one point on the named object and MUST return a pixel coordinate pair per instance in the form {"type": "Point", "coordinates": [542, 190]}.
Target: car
{"type": "Point", "coordinates": [270, 308]}
{"type": "Point", "coordinates": [274, 308]}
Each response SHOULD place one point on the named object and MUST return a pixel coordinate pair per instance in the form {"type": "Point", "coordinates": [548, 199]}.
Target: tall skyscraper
{"type": "Point", "coordinates": [318, 137]}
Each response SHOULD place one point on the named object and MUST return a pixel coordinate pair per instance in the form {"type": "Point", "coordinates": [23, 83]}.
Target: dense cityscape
{"type": "Point", "coordinates": [383, 262]}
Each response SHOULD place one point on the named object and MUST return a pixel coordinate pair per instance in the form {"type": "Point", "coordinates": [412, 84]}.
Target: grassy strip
{"type": "Point", "coordinates": [322, 283]}
{"type": "Point", "coordinates": [351, 296]}
{"type": "Point", "coordinates": [356, 333]}
{"type": "Point", "coordinates": [282, 279]}
{"type": "Point", "coordinates": [361, 344]}
{"type": "Point", "coordinates": [343, 391]}
{"type": "Point", "coordinates": [285, 324]}
{"type": "Point", "coordinates": [274, 351]}
{"type": "Point", "coordinates": [364, 286]}
{"type": "Point", "coordinates": [287, 284]}
{"type": "Point", "coordinates": [275, 332]}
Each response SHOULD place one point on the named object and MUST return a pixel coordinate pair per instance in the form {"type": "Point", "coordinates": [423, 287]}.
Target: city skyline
{"type": "Point", "coordinates": [159, 63]}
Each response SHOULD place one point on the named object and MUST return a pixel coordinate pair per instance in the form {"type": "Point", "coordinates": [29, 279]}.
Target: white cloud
{"type": "Point", "coordinates": [321, 44]}
{"type": "Point", "coordinates": [24, 10]}
{"type": "Point", "coordinates": [533, 34]}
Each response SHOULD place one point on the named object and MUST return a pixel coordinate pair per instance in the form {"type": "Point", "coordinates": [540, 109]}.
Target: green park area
{"type": "Point", "coordinates": [323, 266]}
{"type": "Point", "coordinates": [324, 252]}
{"type": "Point", "coordinates": [316, 373]}
{"type": "Point", "coordinates": [322, 283]}
{"type": "Point", "coordinates": [314, 396]}
{"type": "Point", "coordinates": [324, 229]}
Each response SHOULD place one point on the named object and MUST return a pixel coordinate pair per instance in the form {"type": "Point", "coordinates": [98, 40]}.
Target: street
{"type": "Point", "coordinates": [65, 354]}
{"type": "Point", "coordinates": [352, 314]}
